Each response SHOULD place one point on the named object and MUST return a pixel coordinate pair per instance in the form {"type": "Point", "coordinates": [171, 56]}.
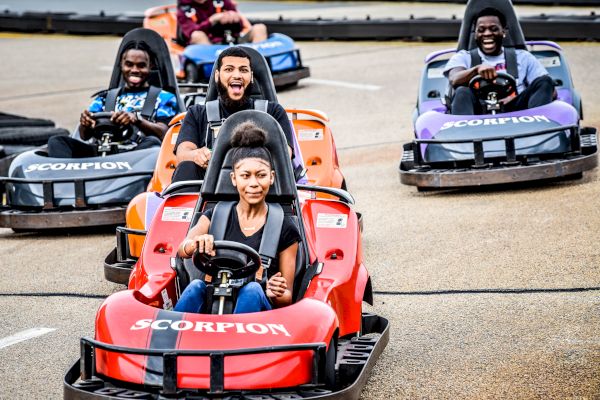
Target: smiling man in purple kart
{"type": "Point", "coordinates": [534, 86]}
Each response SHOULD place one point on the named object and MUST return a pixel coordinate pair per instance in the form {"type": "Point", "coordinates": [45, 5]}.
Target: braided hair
{"type": "Point", "coordinates": [248, 141]}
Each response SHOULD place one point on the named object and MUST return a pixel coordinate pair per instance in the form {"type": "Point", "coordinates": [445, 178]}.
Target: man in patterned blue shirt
{"type": "Point", "coordinates": [128, 105]}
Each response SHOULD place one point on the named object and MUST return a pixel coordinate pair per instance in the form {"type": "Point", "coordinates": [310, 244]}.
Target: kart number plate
{"type": "Point", "coordinates": [338, 221]}
{"type": "Point", "coordinates": [305, 135]}
{"type": "Point", "coordinates": [177, 214]}
{"type": "Point", "coordinates": [435, 73]}
{"type": "Point", "coordinates": [548, 62]}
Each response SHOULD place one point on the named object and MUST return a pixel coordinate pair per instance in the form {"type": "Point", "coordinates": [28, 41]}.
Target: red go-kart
{"type": "Point", "coordinates": [317, 347]}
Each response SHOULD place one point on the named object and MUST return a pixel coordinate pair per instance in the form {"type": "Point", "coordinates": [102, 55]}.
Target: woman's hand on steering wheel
{"type": "Point", "coordinates": [276, 286]}
{"type": "Point", "coordinates": [203, 243]}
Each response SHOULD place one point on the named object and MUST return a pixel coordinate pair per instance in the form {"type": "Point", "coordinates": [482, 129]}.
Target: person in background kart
{"type": "Point", "coordinates": [206, 22]}
{"type": "Point", "coordinates": [195, 139]}
{"type": "Point", "coordinates": [252, 176]}
{"type": "Point", "coordinates": [534, 87]}
{"type": "Point", "coordinates": [135, 68]}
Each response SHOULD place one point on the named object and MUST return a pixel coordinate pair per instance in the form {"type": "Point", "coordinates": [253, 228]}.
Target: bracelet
{"type": "Point", "coordinates": [184, 246]}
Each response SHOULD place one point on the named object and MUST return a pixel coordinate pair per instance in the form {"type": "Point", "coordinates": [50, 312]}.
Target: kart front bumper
{"type": "Point", "coordinates": [508, 171]}
{"type": "Point", "coordinates": [59, 219]}
{"type": "Point", "coordinates": [356, 358]}
{"type": "Point", "coordinates": [428, 178]}
{"type": "Point", "coordinates": [290, 77]}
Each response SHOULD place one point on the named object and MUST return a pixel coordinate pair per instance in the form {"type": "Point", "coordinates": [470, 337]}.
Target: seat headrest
{"type": "Point", "coordinates": [263, 86]}
{"type": "Point", "coordinates": [161, 75]}
{"type": "Point", "coordinates": [514, 35]}
{"type": "Point", "coordinates": [217, 182]}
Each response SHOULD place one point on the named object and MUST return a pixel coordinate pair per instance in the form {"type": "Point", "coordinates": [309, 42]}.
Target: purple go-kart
{"type": "Point", "coordinates": [541, 143]}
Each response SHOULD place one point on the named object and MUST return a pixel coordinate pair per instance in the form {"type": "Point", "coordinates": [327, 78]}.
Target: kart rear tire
{"type": "Point", "coordinates": [8, 120]}
{"type": "Point", "coordinates": [30, 135]}
{"type": "Point", "coordinates": [191, 72]}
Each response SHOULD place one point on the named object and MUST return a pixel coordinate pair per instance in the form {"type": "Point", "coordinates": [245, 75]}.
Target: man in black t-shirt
{"type": "Point", "coordinates": [195, 140]}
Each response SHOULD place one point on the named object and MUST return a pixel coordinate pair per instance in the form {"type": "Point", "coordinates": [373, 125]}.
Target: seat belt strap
{"type": "Point", "coordinates": [110, 101]}
{"type": "Point", "coordinates": [218, 224]}
{"type": "Point", "coordinates": [261, 105]}
{"type": "Point", "coordinates": [213, 115]}
{"type": "Point", "coordinates": [510, 57]}
{"type": "Point", "coordinates": [150, 102]}
{"type": "Point", "coordinates": [270, 238]}
{"type": "Point", "coordinates": [475, 57]}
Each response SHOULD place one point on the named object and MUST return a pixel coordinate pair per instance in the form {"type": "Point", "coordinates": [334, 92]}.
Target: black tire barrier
{"type": "Point", "coordinates": [550, 27]}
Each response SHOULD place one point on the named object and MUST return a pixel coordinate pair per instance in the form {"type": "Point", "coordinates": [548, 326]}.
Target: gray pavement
{"type": "Point", "coordinates": [462, 342]}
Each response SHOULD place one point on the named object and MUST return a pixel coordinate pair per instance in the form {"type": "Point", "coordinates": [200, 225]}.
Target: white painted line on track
{"type": "Point", "coordinates": [24, 335]}
{"type": "Point", "coordinates": [349, 85]}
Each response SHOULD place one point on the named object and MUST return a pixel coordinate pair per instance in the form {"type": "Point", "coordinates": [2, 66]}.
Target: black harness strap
{"type": "Point", "coordinates": [475, 57]}
{"type": "Point", "coordinates": [150, 102]}
{"type": "Point", "coordinates": [220, 216]}
{"type": "Point", "coordinates": [271, 234]}
{"type": "Point", "coordinates": [110, 102]}
{"type": "Point", "coordinates": [213, 115]}
{"type": "Point", "coordinates": [510, 57]}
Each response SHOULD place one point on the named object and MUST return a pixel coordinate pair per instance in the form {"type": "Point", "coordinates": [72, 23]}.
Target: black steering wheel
{"type": "Point", "coordinates": [236, 258]}
{"type": "Point", "coordinates": [498, 88]}
{"type": "Point", "coordinates": [104, 125]}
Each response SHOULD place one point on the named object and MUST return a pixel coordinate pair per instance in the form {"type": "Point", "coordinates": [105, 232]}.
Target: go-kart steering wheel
{"type": "Point", "coordinates": [503, 85]}
{"type": "Point", "coordinates": [104, 125]}
{"type": "Point", "coordinates": [237, 259]}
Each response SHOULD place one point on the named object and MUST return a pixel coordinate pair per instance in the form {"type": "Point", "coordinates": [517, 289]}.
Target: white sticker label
{"type": "Point", "coordinates": [177, 214]}
{"type": "Point", "coordinates": [310, 134]}
{"type": "Point", "coordinates": [548, 62]}
{"type": "Point", "coordinates": [167, 303]}
{"type": "Point", "coordinates": [174, 138]}
{"type": "Point", "coordinates": [339, 221]}
{"type": "Point", "coordinates": [435, 73]}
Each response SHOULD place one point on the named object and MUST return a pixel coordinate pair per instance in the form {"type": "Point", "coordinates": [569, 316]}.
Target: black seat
{"type": "Point", "coordinates": [466, 38]}
{"type": "Point", "coordinates": [514, 35]}
{"type": "Point", "coordinates": [217, 184]}
{"type": "Point", "coordinates": [263, 86]}
{"type": "Point", "coordinates": [161, 75]}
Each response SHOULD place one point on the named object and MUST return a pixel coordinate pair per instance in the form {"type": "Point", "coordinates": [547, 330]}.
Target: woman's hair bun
{"type": "Point", "coordinates": [248, 135]}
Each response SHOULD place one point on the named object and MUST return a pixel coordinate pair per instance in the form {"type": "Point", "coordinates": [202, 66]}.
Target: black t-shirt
{"type": "Point", "coordinates": [289, 235]}
{"type": "Point", "coordinates": [195, 124]}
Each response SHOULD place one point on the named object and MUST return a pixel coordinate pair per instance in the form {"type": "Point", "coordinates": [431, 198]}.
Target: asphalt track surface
{"type": "Point", "coordinates": [490, 293]}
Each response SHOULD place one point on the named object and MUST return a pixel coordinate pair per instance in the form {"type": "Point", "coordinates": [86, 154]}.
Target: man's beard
{"type": "Point", "coordinates": [230, 103]}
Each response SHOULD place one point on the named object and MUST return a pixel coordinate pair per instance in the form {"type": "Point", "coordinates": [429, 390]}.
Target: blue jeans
{"type": "Point", "coordinates": [251, 298]}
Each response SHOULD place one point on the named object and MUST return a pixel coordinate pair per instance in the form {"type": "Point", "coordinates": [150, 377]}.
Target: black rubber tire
{"type": "Point", "coordinates": [330, 361]}
{"type": "Point", "coordinates": [31, 135]}
{"type": "Point", "coordinates": [191, 72]}
{"type": "Point", "coordinates": [8, 120]}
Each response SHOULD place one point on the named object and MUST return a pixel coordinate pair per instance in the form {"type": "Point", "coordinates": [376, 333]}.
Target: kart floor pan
{"type": "Point", "coordinates": [356, 358]}
{"type": "Point", "coordinates": [42, 220]}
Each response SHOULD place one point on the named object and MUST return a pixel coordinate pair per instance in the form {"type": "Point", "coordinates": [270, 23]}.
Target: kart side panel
{"type": "Point", "coordinates": [338, 247]}
{"type": "Point", "coordinates": [169, 226]}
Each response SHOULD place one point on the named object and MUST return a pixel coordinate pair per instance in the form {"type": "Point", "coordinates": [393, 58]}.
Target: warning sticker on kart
{"type": "Point", "coordinates": [338, 221]}
{"type": "Point", "coordinates": [548, 62]}
{"type": "Point", "coordinates": [310, 134]}
{"type": "Point", "coordinates": [435, 73]}
{"type": "Point", "coordinates": [177, 214]}
{"type": "Point", "coordinates": [174, 138]}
